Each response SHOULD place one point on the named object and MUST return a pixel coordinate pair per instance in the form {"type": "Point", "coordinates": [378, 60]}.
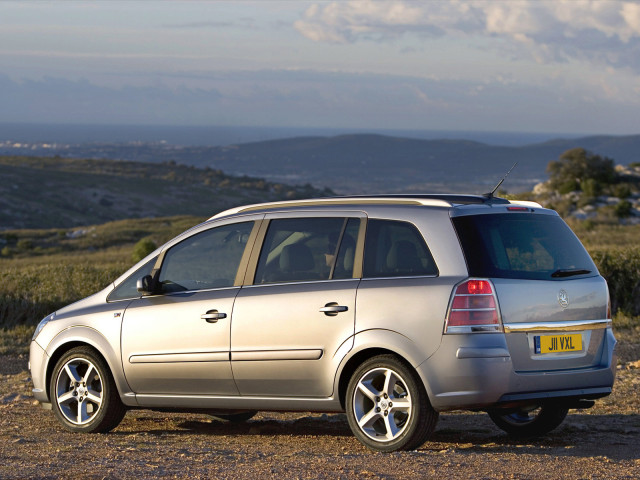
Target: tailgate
{"type": "Point", "coordinates": [554, 325]}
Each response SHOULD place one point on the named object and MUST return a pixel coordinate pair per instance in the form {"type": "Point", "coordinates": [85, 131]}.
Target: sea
{"type": "Point", "coordinates": [230, 135]}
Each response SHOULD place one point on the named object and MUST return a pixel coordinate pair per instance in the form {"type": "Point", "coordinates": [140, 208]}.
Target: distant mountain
{"type": "Point", "coordinates": [365, 163]}
{"type": "Point", "coordinates": [64, 193]}
{"type": "Point", "coordinates": [380, 163]}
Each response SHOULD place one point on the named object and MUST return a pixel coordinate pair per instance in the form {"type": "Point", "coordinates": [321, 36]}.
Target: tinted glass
{"type": "Point", "coordinates": [129, 288]}
{"type": "Point", "coordinates": [396, 249]}
{"type": "Point", "coordinates": [300, 249]}
{"type": "Point", "coordinates": [521, 245]}
{"type": "Point", "coordinates": [206, 260]}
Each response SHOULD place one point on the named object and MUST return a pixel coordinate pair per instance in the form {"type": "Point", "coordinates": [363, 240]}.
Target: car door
{"type": "Point", "coordinates": [177, 342]}
{"type": "Point", "coordinates": [295, 321]}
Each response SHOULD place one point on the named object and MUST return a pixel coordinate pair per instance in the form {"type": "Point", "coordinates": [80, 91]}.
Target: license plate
{"type": "Point", "coordinates": [558, 343]}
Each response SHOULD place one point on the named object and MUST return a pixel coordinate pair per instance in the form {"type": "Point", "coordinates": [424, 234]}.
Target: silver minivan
{"type": "Point", "coordinates": [389, 308]}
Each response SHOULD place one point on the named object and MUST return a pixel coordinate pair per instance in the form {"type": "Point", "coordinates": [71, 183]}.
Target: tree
{"type": "Point", "coordinates": [581, 170]}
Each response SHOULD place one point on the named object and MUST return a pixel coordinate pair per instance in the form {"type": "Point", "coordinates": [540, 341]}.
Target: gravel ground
{"type": "Point", "coordinates": [603, 443]}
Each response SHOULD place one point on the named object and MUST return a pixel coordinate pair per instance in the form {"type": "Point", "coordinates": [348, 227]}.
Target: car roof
{"type": "Point", "coordinates": [431, 200]}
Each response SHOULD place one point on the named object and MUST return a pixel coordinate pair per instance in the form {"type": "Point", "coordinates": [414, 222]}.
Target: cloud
{"type": "Point", "coordinates": [309, 98]}
{"type": "Point", "coordinates": [606, 32]}
{"type": "Point", "coordinates": [244, 22]}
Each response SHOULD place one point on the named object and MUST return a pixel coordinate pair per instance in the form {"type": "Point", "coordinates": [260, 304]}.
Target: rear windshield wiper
{"type": "Point", "coordinates": [569, 272]}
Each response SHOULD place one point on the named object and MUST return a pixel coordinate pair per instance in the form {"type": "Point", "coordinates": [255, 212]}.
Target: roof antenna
{"type": "Point", "coordinates": [490, 194]}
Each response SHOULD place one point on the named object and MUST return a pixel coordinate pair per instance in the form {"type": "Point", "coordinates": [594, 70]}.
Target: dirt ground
{"type": "Point", "coordinates": [600, 443]}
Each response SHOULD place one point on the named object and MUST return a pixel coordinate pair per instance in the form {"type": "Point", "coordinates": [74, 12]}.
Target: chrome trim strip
{"type": "Point", "coordinates": [277, 284]}
{"type": "Point", "coordinates": [572, 326]}
{"type": "Point", "coordinates": [259, 355]}
{"type": "Point", "coordinates": [400, 278]}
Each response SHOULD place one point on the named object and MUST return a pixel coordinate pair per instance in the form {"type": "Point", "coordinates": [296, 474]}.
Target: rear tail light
{"type": "Point", "coordinates": [473, 308]}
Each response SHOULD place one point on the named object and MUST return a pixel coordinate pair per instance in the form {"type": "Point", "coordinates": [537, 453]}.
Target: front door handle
{"type": "Point", "coordinates": [332, 309]}
{"type": "Point", "coordinates": [212, 316]}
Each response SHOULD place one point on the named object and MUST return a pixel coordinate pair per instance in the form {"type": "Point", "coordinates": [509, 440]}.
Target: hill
{"type": "Point", "coordinates": [365, 163]}
{"type": "Point", "coordinates": [63, 193]}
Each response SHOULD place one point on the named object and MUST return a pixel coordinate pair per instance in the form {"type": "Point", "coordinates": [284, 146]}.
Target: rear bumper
{"type": "Point", "coordinates": [476, 372]}
{"type": "Point", "coordinates": [568, 395]}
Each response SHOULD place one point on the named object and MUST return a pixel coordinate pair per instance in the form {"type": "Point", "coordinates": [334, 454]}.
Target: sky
{"type": "Point", "coordinates": [526, 66]}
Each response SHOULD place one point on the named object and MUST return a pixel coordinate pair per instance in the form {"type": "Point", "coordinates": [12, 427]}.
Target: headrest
{"type": "Point", "coordinates": [296, 258]}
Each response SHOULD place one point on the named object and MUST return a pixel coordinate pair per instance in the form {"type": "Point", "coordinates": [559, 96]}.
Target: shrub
{"type": "Point", "coordinates": [621, 268]}
{"type": "Point", "coordinates": [143, 248]}
{"type": "Point", "coordinates": [25, 244]}
{"type": "Point", "coordinates": [622, 191]}
{"type": "Point", "coordinates": [623, 209]}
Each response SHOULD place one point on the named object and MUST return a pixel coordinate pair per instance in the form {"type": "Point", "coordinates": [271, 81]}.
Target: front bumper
{"type": "Point", "coordinates": [38, 360]}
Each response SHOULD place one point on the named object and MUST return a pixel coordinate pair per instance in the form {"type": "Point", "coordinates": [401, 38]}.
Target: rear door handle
{"type": "Point", "coordinates": [212, 316]}
{"type": "Point", "coordinates": [332, 309]}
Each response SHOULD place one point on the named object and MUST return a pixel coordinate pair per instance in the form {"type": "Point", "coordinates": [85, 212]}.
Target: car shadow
{"type": "Point", "coordinates": [581, 435]}
{"type": "Point", "coordinates": [328, 425]}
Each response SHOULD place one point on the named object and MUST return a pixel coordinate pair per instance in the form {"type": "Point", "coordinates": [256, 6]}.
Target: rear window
{"type": "Point", "coordinates": [523, 246]}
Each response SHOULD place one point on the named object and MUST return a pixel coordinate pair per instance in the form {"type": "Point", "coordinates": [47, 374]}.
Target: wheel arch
{"type": "Point", "coordinates": [371, 343]}
{"type": "Point", "coordinates": [83, 336]}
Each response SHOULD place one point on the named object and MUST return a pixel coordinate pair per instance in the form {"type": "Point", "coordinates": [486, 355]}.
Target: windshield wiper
{"type": "Point", "coordinates": [569, 272]}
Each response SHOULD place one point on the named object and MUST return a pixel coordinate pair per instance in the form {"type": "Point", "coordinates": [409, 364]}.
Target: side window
{"type": "Point", "coordinates": [129, 288]}
{"type": "Point", "coordinates": [306, 249]}
{"type": "Point", "coordinates": [209, 259]}
{"type": "Point", "coordinates": [396, 249]}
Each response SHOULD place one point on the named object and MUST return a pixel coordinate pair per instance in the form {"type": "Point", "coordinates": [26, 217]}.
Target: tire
{"type": "Point", "coordinates": [387, 405]}
{"type": "Point", "coordinates": [530, 422]}
{"type": "Point", "coordinates": [238, 417]}
{"type": "Point", "coordinates": [84, 396]}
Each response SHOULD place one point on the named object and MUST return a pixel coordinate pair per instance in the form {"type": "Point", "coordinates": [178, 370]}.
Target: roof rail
{"type": "Point", "coordinates": [433, 200]}
{"type": "Point", "coordinates": [450, 198]}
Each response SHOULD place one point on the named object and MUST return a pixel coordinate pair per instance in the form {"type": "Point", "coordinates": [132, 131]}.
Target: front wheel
{"type": "Point", "coordinates": [83, 393]}
{"type": "Point", "coordinates": [530, 421]}
{"type": "Point", "coordinates": [387, 405]}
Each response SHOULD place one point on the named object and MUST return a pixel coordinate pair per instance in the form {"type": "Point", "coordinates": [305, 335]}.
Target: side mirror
{"type": "Point", "coordinates": [145, 285]}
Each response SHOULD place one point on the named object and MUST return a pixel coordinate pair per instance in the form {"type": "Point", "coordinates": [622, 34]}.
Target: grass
{"type": "Point", "coordinates": [15, 341]}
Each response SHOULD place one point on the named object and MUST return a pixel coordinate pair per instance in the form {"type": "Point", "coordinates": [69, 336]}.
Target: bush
{"type": "Point", "coordinates": [621, 268]}
{"type": "Point", "coordinates": [25, 244]}
{"type": "Point", "coordinates": [143, 248]}
{"type": "Point", "coordinates": [623, 209]}
{"type": "Point", "coordinates": [622, 191]}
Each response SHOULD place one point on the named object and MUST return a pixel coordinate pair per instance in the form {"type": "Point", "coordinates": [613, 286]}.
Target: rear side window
{"type": "Point", "coordinates": [523, 246]}
{"type": "Point", "coordinates": [307, 249]}
{"type": "Point", "coordinates": [396, 249]}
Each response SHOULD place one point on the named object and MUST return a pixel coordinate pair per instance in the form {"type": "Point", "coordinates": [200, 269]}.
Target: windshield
{"type": "Point", "coordinates": [521, 245]}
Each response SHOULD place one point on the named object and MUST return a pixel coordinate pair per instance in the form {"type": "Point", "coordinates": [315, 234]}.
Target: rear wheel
{"type": "Point", "coordinates": [530, 421]}
{"type": "Point", "coordinates": [83, 393]}
{"type": "Point", "coordinates": [387, 405]}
